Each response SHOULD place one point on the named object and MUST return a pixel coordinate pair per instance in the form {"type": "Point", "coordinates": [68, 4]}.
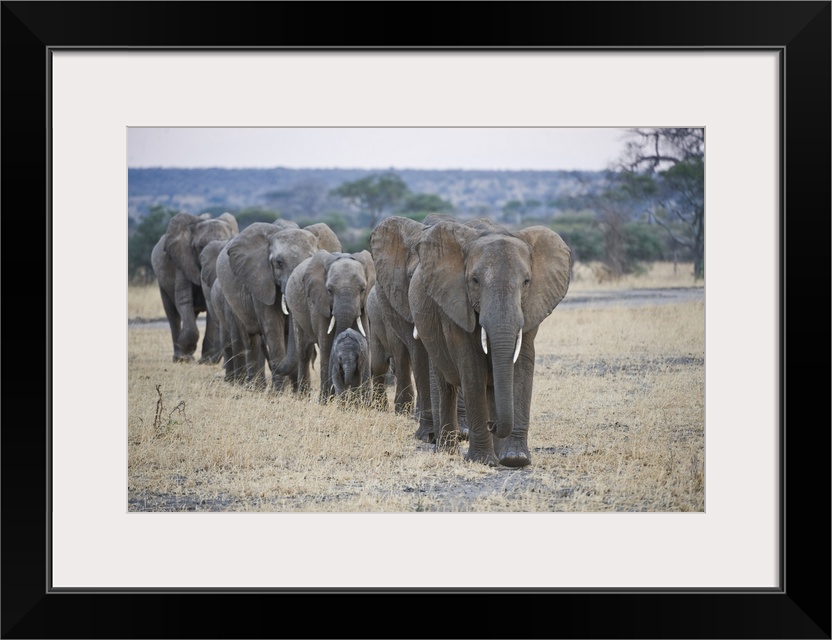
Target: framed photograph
{"type": "Point", "coordinates": [78, 77]}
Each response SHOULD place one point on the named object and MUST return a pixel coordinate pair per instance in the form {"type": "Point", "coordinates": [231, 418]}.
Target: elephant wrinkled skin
{"type": "Point", "coordinates": [326, 295]}
{"type": "Point", "coordinates": [253, 270]}
{"type": "Point", "coordinates": [393, 244]}
{"type": "Point", "coordinates": [176, 264]}
{"type": "Point", "coordinates": [478, 295]}
{"type": "Point", "coordinates": [349, 366]}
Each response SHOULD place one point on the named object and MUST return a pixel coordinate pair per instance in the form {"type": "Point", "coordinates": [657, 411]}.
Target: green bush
{"type": "Point", "coordinates": [359, 243]}
{"type": "Point", "coordinates": [250, 215]}
{"type": "Point", "coordinates": [644, 242]}
{"type": "Point", "coordinates": [586, 242]}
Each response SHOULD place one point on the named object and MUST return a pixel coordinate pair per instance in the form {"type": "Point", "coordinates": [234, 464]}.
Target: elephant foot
{"type": "Point", "coordinates": [425, 434]}
{"type": "Point", "coordinates": [515, 453]}
{"type": "Point", "coordinates": [181, 357]}
{"type": "Point", "coordinates": [482, 457]}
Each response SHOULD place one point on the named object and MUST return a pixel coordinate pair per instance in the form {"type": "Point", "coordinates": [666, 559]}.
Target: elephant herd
{"type": "Point", "coordinates": [451, 309]}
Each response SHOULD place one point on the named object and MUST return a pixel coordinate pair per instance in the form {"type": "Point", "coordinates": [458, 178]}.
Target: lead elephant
{"type": "Point", "coordinates": [176, 264]}
{"type": "Point", "coordinates": [326, 295]}
{"type": "Point", "coordinates": [478, 296]}
{"type": "Point", "coordinates": [253, 270]}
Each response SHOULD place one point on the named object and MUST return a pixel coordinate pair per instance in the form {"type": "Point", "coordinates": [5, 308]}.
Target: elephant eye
{"type": "Point", "coordinates": [475, 280]}
{"type": "Point", "coordinates": [526, 281]}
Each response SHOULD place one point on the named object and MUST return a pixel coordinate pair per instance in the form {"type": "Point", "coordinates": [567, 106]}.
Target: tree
{"type": "Point", "coordinates": [374, 194]}
{"type": "Point", "coordinates": [675, 159]}
{"type": "Point", "coordinates": [424, 203]}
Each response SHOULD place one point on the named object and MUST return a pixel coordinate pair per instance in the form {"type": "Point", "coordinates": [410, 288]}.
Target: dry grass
{"type": "Point", "coordinates": [617, 425]}
{"type": "Point", "coordinates": [591, 276]}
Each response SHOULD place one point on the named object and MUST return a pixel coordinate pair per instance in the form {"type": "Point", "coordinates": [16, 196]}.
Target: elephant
{"type": "Point", "coordinates": [176, 264]}
{"type": "Point", "coordinates": [349, 366]}
{"type": "Point", "coordinates": [234, 369]}
{"type": "Point", "coordinates": [385, 350]}
{"type": "Point", "coordinates": [393, 244]}
{"type": "Point", "coordinates": [326, 295]}
{"type": "Point", "coordinates": [217, 306]}
{"type": "Point", "coordinates": [478, 295]}
{"type": "Point", "coordinates": [253, 270]}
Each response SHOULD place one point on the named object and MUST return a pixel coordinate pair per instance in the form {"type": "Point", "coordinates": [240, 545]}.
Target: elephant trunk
{"type": "Point", "coordinates": [503, 346]}
{"type": "Point", "coordinates": [349, 371]}
{"type": "Point", "coordinates": [289, 365]}
{"type": "Point", "coordinates": [347, 316]}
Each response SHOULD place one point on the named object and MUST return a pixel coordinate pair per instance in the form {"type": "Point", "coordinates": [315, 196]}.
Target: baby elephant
{"type": "Point", "coordinates": [349, 366]}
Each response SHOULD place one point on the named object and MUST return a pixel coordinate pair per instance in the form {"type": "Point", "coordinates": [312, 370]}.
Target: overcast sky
{"type": "Point", "coordinates": [511, 148]}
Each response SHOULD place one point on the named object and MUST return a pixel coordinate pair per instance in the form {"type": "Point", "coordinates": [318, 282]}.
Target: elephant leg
{"type": "Point", "coordinates": [235, 367]}
{"type": "Point", "coordinates": [227, 354]}
{"type": "Point", "coordinates": [254, 360]}
{"type": "Point", "coordinates": [379, 366]}
{"type": "Point", "coordinates": [427, 398]}
{"type": "Point", "coordinates": [480, 445]}
{"type": "Point", "coordinates": [404, 401]}
{"type": "Point", "coordinates": [325, 346]}
{"type": "Point", "coordinates": [175, 323]}
{"type": "Point", "coordinates": [211, 353]}
{"type": "Point", "coordinates": [462, 417]}
{"type": "Point", "coordinates": [447, 439]}
{"type": "Point", "coordinates": [184, 297]}
{"type": "Point", "coordinates": [305, 352]}
{"type": "Point", "coordinates": [275, 341]}
{"type": "Point", "coordinates": [513, 451]}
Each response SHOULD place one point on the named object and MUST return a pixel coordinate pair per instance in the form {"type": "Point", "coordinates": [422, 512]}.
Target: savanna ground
{"type": "Point", "coordinates": [617, 423]}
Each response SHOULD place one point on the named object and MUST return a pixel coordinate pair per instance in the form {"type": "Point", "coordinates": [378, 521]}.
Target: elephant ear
{"type": "Point", "coordinates": [393, 245]}
{"type": "Point", "coordinates": [208, 261]}
{"type": "Point", "coordinates": [327, 240]}
{"type": "Point", "coordinates": [178, 245]}
{"type": "Point", "coordinates": [442, 261]}
{"type": "Point", "coordinates": [248, 255]}
{"type": "Point", "coordinates": [550, 269]}
{"type": "Point", "coordinates": [314, 281]}
{"type": "Point", "coordinates": [232, 222]}
{"type": "Point", "coordinates": [281, 224]}
{"type": "Point", "coordinates": [366, 258]}
{"type": "Point", "coordinates": [208, 230]}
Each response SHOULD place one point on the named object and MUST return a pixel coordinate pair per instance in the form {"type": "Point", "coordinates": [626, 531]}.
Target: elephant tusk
{"type": "Point", "coordinates": [331, 325]}
{"type": "Point", "coordinates": [484, 340]}
{"type": "Point", "coordinates": [361, 327]}
{"type": "Point", "coordinates": [283, 305]}
{"type": "Point", "coordinates": [415, 333]}
{"type": "Point", "coordinates": [519, 344]}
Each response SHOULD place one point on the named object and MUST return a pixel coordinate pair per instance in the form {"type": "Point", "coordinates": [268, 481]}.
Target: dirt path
{"type": "Point", "coordinates": [634, 297]}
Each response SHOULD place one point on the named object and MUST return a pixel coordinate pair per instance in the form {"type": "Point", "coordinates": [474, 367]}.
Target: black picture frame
{"type": "Point", "coordinates": [799, 608]}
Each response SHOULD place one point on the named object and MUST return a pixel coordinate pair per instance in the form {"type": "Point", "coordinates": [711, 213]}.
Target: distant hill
{"type": "Point", "coordinates": [297, 193]}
